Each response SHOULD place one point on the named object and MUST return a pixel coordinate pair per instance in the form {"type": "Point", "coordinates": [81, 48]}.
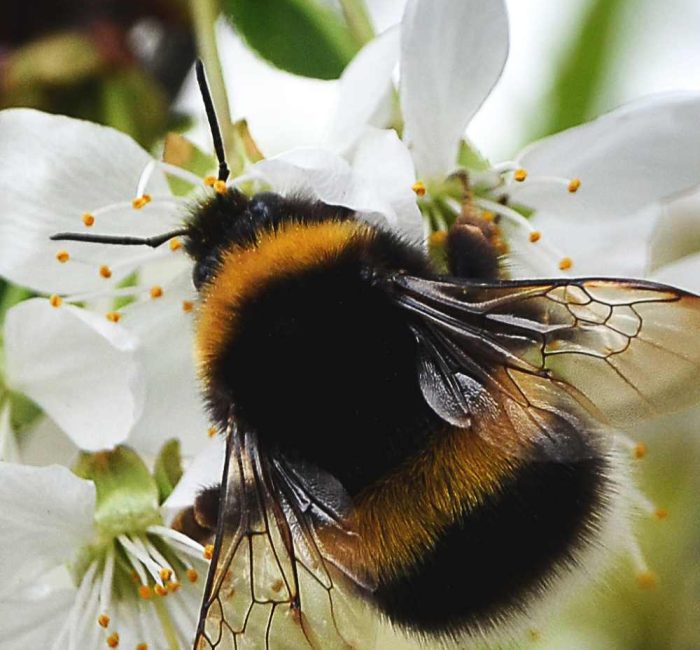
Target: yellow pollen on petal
{"type": "Point", "coordinates": [174, 586]}
{"type": "Point", "coordinates": [113, 316]}
{"type": "Point", "coordinates": [419, 188]}
{"type": "Point", "coordinates": [145, 592]}
{"type": "Point", "coordinates": [103, 620]}
{"type": "Point", "coordinates": [142, 646]}
{"type": "Point", "coordinates": [62, 256]}
{"type": "Point", "coordinates": [156, 291]}
{"type": "Point", "coordinates": [140, 201]}
{"type": "Point", "coordinates": [647, 579]}
{"type": "Point", "coordinates": [187, 305]}
{"type": "Point", "coordinates": [489, 216]}
{"type": "Point", "coordinates": [208, 552]}
{"type": "Point", "coordinates": [105, 272]}
{"type": "Point", "coordinates": [211, 432]}
{"type": "Point", "coordinates": [165, 574]}
{"type": "Point", "coordinates": [88, 219]}
{"type": "Point", "coordinates": [574, 184]}
{"type": "Point", "coordinates": [160, 591]}
{"type": "Point", "coordinates": [192, 575]}
{"type": "Point", "coordinates": [209, 181]}
{"type": "Point", "coordinates": [438, 238]}
{"type": "Point", "coordinates": [220, 187]}
{"type": "Point", "coordinates": [661, 514]}
{"type": "Point", "coordinates": [55, 300]}
{"type": "Point", "coordinates": [640, 450]}
{"type": "Point", "coordinates": [566, 263]}
{"type": "Point", "coordinates": [519, 175]}
{"type": "Point", "coordinates": [113, 640]}
{"type": "Point", "coordinates": [175, 244]}
{"type": "Point", "coordinates": [535, 236]}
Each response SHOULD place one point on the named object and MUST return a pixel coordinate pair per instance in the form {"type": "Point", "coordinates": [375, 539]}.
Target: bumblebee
{"type": "Point", "coordinates": [433, 450]}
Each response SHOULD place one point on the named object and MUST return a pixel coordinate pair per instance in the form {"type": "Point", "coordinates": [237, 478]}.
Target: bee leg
{"type": "Point", "coordinates": [471, 248]}
{"type": "Point", "coordinates": [199, 520]}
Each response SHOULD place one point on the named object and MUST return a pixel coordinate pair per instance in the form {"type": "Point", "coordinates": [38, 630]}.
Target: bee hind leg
{"type": "Point", "coordinates": [199, 521]}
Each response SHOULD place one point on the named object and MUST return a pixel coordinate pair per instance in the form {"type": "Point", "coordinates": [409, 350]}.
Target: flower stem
{"type": "Point", "coordinates": [358, 20]}
{"type": "Point", "coordinates": [204, 15]}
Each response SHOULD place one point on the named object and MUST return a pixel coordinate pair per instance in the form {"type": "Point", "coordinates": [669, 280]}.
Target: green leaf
{"type": "Point", "coordinates": [168, 468]}
{"type": "Point", "coordinates": [305, 37]}
{"type": "Point", "coordinates": [575, 94]}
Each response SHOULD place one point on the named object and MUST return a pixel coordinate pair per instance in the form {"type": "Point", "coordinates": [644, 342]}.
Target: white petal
{"type": "Point", "coordinates": [636, 155]}
{"type": "Point", "coordinates": [320, 174]}
{"type": "Point", "coordinates": [365, 89]}
{"type": "Point", "coordinates": [385, 165]}
{"type": "Point", "coordinates": [683, 273]}
{"type": "Point", "coordinates": [46, 515]}
{"type": "Point", "coordinates": [33, 622]}
{"type": "Point", "coordinates": [173, 407]}
{"type": "Point", "coordinates": [204, 471]}
{"type": "Point", "coordinates": [79, 367]}
{"type": "Point", "coordinates": [613, 248]}
{"type": "Point", "coordinates": [53, 170]}
{"type": "Point", "coordinates": [8, 444]}
{"type": "Point", "coordinates": [45, 443]}
{"type": "Point", "coordinates": [452, 53]}
{"type": "Point", "coordinates": [677, 232]}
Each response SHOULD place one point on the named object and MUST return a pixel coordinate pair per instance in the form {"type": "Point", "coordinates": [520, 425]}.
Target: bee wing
{"type": "Point", "coordinates": [272, 583]}
{"type": "Point", "coordinates": [552, 353]}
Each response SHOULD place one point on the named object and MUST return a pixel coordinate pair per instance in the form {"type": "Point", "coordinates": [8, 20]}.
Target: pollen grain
{"type": "Point", "coordinates": [574, 184]}
{"type": "Point", "coordinates": [156, 291]}
{"type": "Point", "coordinates": [103, 620]}
{"type": "Point", "coordinates": [535, 236]}
{"type": "Point", "coordinates": [113, 316]}
{"type": "Point", "coordinates": [88, 219]}
{"type": "Point", "coordinates": [145, 592]}
{"type": "Point", "coordinates": [192, 575]}
{"type": "Point", "coordinates": [187, 305]}
{"type": "Point", "coordinates": [113, 640]}
{"type": "Point", "coordinates": [105, 272]}
{"type": "Point", "coordinates": [141, 201]}
{"type": "Point", "coordinates": [519, 175]}
{"type": "Point", "coordinates": [419, 188]}
{"type": "Point", "coordinates": [55, 301]}
{"type": "Point", "coordinates": [565, 263]}
{"type": "Point", "coordinates": [640, 450]}
{"type": "Point", "coordinates": [208, 552]}
{"type": "Point", "coordinates": [209, 181]}
{"type": "Point", "coordinates": [220, 187]}
{"type": "Point", "coordinates": [175, 244]}
{"type": "Point", "coordinates": [62, 256]}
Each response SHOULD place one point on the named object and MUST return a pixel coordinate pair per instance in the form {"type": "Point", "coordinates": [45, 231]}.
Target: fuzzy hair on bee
{"type": "Point", "coordinates": [436, 451]}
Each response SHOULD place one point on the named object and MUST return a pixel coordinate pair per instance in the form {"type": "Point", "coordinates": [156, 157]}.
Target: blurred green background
{"type": "Point", "coordinates": [123, 62]}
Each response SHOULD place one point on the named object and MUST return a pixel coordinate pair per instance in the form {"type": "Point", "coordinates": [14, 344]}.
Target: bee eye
{"type": "Point", "coordinates": [203, 270]}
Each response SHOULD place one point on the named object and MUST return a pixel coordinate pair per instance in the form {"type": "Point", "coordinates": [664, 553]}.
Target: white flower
{"type": "Point", "coordinates": [86, 568]}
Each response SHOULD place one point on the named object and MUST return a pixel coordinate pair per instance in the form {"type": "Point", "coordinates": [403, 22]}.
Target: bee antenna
{"type": "Point", "coordinates": [213, 121]}
{"type": "Point", "coordinates": [153, 242]}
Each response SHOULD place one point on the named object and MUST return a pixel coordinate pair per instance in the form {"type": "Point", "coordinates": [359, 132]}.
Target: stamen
{"type": "Point", "coordinates": [107, 577]}
{"type": "Point", "coordinates": [88, 219]}
{"type": "Point", "coordinates": [640, 450]}
{"type": "Point", "coordinates": [211, 432]}
{"type": "Point", "coordinates": [113, 640]}
{"type": "Point", "coordinates": [535, 236]}
{"type": "Point", "coordinates": [127, 206]}
{"type": "Point", "coordinates": [519, 175]}
{"type": "Point", "coordinates": [419, 188]}
{"type": "Point", "coordinates": [565, 263]}
{"type": "Point", "coordinates": [174, 586]}
{"type": "Point", "coordinates": [187, 305]}
{"type": "Point", "coordinates": [55, 300]}
{"type": "Point", "coordinates": [661, 514]}
{"type": "Point", "coordinates": [192, 575]}
{"type": "Point", "coordinates": [145, 592]}
{"type": "Point", "coordinates": [113, 316]}
{"type": "Point", "coordinates": [105, 272]}
{"type": "Point", "coordinates": [135, 547]}
{"type": "Point", "coordinates": [103, 620]}
{"type": "Point", "coordinates": [220, 187]}
{"type": "Point", "coordinates": [145, 177]}
{"type": "Point", "coordinates": [208, 552]}
{"type": "Point", "coordinates": [160, 590]}
{"type": "Point", "coordinates": [166, 574]}
{"type": "Point", "coordinates": [209, 181]}
{"type": "Point", "coordinates": [142, 646]}
{"type": "Point", "coordinates": [188, 545]}
{"type": "Point", "coordinates": [62, 256]}
{"type": "Point", "coordinates": [175, 244]}
{"type": "Point", "coordinates": [141, 201]}
{"type": "Point", "coordinates": [487, 215]}
{"type": "Point", "coordinates": [156, 291]}
{"type": "Point", "coordinates": [574, 184]}
{"type": "Point", "coordinates": [178, 172]}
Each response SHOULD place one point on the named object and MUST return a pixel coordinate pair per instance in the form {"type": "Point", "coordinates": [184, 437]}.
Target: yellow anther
{"type": "Point", "coordinates": [535, 235]}
{"type": "Point", "coordinates": [419, 188]}
{"type": "Point", "coordinates": [187, 305]}
{"type": "Point", "coordinates": [174, 586]}
{"type": "Point", "coordinates": [661, 514]}
{"type": "Point", "coordinates": [105, 272]}
{"type": "Point", "coordinates": [209, 181]}
{"type": "Point", "coordinates": [220, 187]}
{"type": "Point", "coordinates": [103, 620]}
{"type": "Point", "coordinates": [113, 316]}
{"type": "Point", "coordinates": [56, 301]}
{"type": "Point", "coordinates": [156, 291]}
{"type": "Point", "coordinates": [165, 574]}
{"type": "Point", "coordinates": [192, 575]}
{"type": "Point", "coordinates": [489, 216]}
{"type": "Point", "coordinates": [566, 263]}
{"type": "Point", "coordinates": [142, 646]}
{"type": "Point", "coordinates": [145, 592]}
{"type": "Point", "coordinates": [574, 184]}
{"type": "Point", "coordinates": [640, 450]}
{"type": "Point", "coordinates": [140, 201]}
{"type": "Point", "coordinates": [160, 591]}
{"type": "Point", "coordinates": [208, 552]}
{"type": "Point", "coordinates": [113, 640]}
{"type": "Point", "coordinates": [647, 579]}
{"type": "Point", "coordinates": [211, 432]}
{"type": "Point", "coordinates": [175, 244]}
{"type": "Point", "coordinates": [438, 238]}
{"type": "Point", "coordinates": [62, 256]}
{"type": "Point", "coordinates": [88, 219]}
{"type": "Point", "coordinates": [519, 175]}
